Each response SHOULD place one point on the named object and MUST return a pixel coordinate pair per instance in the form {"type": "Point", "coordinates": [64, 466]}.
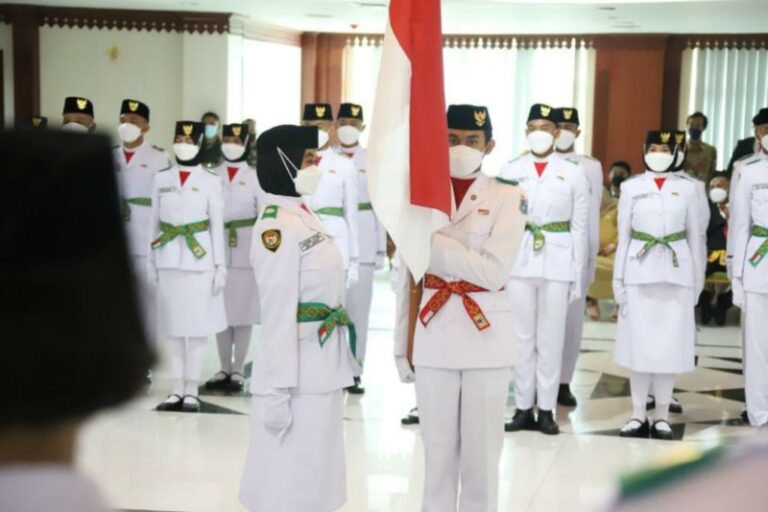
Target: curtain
{"type": "Point", "coordinates": [729, 85]}
{"type": "Point", "coordinates": [507, 77]}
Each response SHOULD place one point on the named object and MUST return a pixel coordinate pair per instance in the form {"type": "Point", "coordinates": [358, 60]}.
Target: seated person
{"type": "Point", "coordinates": [717, 297]}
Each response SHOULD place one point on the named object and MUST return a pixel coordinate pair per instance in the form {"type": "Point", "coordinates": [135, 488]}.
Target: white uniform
{"type": "Point", "coordinates": [733, 207]}
{"type": "Point", "coordinates": [656, 328]}
{"type": "Point", "coordinates": [372, 240]}
{"type": "Point", "coordinates": [303, 468]}
{"type": "Point", "coordinates": [574, 323]}
{"type": "Point", "coordinates": [462, 372]}
{"type": "Point", "coordinates": [42, 487]}
{"type": "Point", "coordinates": [751, 195]}
{"type": "Point", "coordinates": [337, 196]}
{"type": "Point", "coordinates": [135, 175]}
{"type": "Point", "coordinates": [703, 212]}
{"type": "Point", "coordinates": [187, 305]}
{"type": "Point", "coordinates": [544, 281]}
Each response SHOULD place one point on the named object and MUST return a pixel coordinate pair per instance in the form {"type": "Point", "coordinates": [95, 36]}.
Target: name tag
{"type": "Point", "coordinates": [143, 165]}
{"type": "Point", "coordinates": [310, 242]}
{"type": "Point", "coordinates": [166, 190]}
{"type": "Point", "coordinates": [561, 178]}
{"type": "Point", "coordinates": [674, 194]}
{"type": "Point", "coordinates": [241, 183]}
{"type": "Point", "coordinates": [642, 196]}
{"type": "Point", "coordinates": [760, 186]}
{"type": "Point", "coordinates": [331, 171]}
{"type": "Point", "coordinates": [195, 189]}
{"type": "Point", "coordinates": [483, 211]}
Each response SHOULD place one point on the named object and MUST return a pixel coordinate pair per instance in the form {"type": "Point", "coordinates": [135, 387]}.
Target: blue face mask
{"type": "Point", "coordinates": [694, 133]}
{"type": "Point", "coordinates": [211, 131]}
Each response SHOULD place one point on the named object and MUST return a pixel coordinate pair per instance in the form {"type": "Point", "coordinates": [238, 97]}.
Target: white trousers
{"type": "Point", "coordinates": [186, 357]}
{"type": "Point", "coordinates": [462, 426]}
{"type": "Point", "coordinates": [756, 357]}
{"type": "Point", "coordinates": [359, 297]}
{"type": "Point", "coordinates": [574, 332]}
{"type": "Point", "coordinates": [147, 295]}
{"type": "Point", "coordinates": [234, 342]}
{"type": "Point", "coordinates": [539, 307]}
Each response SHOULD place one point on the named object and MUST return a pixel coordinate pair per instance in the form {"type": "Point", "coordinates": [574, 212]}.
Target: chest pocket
{"type": "Point", "coordinates": [478, 226]}
{"type": "Point", "coordinates": [760, 195]}
{"type": "Point", "coordinates": [557, 193]}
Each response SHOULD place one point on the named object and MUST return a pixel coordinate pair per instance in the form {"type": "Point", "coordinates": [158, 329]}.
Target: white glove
{"type": "Point", "coordinates": [737, 287]}
{"type": "Point", "coordinates": [219, 278]}
{"type": "Point", "coordinates": [276, 413]}
{"type": "Point", "coordinates": [404, 369]}
{"type": "Point", "coordinates": [353, 274]}
{"type": "Point", "coordinates": [620, 295]}
{"type": "Point", "coordinates": [574, 292]}
{"type": "Point", "coordinates": [380, 260]}
{"type": "Point", "coordinates": [152, 277]}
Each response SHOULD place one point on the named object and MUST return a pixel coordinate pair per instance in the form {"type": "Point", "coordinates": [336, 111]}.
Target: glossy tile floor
{"type": "Point", "coordinates": [150, 461]}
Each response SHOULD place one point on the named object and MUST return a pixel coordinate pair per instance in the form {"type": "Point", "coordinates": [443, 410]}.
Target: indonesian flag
{"type": "Point", "coordinates": [408, 173]}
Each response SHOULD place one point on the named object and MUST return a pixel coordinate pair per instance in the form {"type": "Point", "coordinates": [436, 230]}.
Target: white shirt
{"type": "Point", "coordinates": [751, 194]}
{"type": "Point", "coordinates": [243, 198]}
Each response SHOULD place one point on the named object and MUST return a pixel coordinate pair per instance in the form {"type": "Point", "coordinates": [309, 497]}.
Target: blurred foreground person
{"type": "Point", "coordinates": [68, 302]}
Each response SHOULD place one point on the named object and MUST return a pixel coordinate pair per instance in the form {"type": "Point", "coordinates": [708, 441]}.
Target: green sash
{"type": "Point", "coordinates": [553, 227]}
{"type": "Point", "coordinates": [651, 242]}
{"type": "Point", "coordinates": [760, 232]}
{"type": "Point", "coordinates": [126, 203]}
{"type": "Point", "coordinates": [330, 210]}
{"type": "Point", "coordinates": [330, 318]}
{"type": "Point", "coordinates": [188, 231]}
{"type": "Point", "coordinates": [364, 207]}
{"type": "Point", "coordinates": [232, 227]}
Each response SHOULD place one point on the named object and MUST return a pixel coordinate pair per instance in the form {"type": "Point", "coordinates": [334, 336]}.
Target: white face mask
{"type": "Point", "coordinates": [464, 161]}
{"type": "Point", "coordinates": [659, 162]}
{"type": "Point", "coordinates": [306, 180]}
{"type": "Point", "coordinates": [185, 151]}
{"type": "Point", "coordinates": [348, 135]}
{"type": "Point", "coordinates": [565, 141]}
{"type": "Point", "coordinates": [128, 132]}
{"type": "Point", "coordinates": [718, 195]}
{"type": "Point", "coordinates": [322, 138]}
{"type": "Point", "coordinates": [232, 151]}
{"type": "Point", "coordinates": [764, 142]}
{"type": "Point", "coordinates": [540, 141]}
{"type": "Point", "coordinates": [74, 127]}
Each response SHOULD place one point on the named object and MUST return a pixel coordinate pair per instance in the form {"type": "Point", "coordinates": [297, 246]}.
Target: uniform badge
{"type": "Point", "coordinates": [271, 239]}
{"type": "Point", "coordinates": [483, 211]}
{"type": "Point", "coordinates": [675, 194]}
{"type": "Point", "coordinates": [481, 116]}
{"type": "Point", "coordinates": [310, 242]}
{"type": "Point", "coordinates": [143, 166]}
{"type": "Point", "coordinates": [82, 103]}
{"type": "Point", "coordinates": [195, 189]}
{"type": "Point", "coordinates": [187, 129]}
{"type": "Point", "coordinates": [331, 171]}
{"type": "Point", "coordinates": [561, 178]}
{"type": "Point", "coordinates": [524, 205]}
{"type": "Point", "coordinates": [133, 105]}
{"type": "Point", "coordinates": [241, 183]}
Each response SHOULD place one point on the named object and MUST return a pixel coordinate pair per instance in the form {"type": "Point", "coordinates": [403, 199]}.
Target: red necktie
{"type": "Point", "coordinates": [659, 182]}
{"type": "Point", "coordinates": [350, 155]}
{"type": "Point", "coordinates": [318, 159]}
{"type": "Point", "coordinates": [183, 175]}
{"type": "Point", "coordinates": [304, 207]}
{"type": "Point", "coordinates": [460, 188]}
{"type": "Point", "coordinates": [540, 166]}
{"type": "Point", "coordinates": [232, 171]}
{"type": "Point", "coordinates": [128, 156]}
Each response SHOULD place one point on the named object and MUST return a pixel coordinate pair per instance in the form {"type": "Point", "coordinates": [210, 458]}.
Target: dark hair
{"type": "Point", "coordinates": [68, 303]}
{"type": "Point", "coordinates": [210, 114]}
{"type": "Point", "coordinates": [698, 115]}
{"type": "Point", "coordinates": [623, 164]}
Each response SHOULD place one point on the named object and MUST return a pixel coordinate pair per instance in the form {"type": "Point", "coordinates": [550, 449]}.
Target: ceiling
{"type": "Point", "coordinates": [484, 16]}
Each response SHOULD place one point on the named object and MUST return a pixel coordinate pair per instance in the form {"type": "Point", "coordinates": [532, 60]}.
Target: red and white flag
{"type": "Point", "coordinates": [408, 174]}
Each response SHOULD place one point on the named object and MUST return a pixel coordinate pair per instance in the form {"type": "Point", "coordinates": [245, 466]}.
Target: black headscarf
{"type": "Point", "coordinates": [195, 130]}
{"type": "Point", "coordinates": [293, 141]}
{"type": "Point", "coordinates": [239, 130]}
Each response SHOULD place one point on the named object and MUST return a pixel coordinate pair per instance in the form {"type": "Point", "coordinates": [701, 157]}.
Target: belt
{"type": "Point", "coordinates": [444, 292]}
{"type": "Point", "coordinates": [233, 225]}
{"type": "Point", "coordinates": [551, 227]}
{"type": "Point", "coordinates": [651, 241]}
{"type": "Point", "coordinates": [126, 203]}
{"type": "Point", "coordinates": [364, 207]}
{"type": "Point", "coordinates": [188, 231]}
{"type": "Point", "coordinates": [760, 232]}
{"type": "Point", "coordinates": [330, 318]}
{"type": "Point", "coordinates": [330, 210]}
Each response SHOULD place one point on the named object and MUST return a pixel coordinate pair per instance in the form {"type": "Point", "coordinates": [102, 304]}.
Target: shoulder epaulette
{"type": "Point", "coordinates": [757, 159]}
{"type": "Point", "coordinates": [212, 171]}
{"type": "Point", "coordinates": [572, 160]}
{"type": "Point", "coordinates": [515, 159]}
{"type": "Point", "coordinates": [115, 147]}
{"type": "Point", "coordinates": [270, 212]}
{"type": "Point", "coordinates": [161, 170]}
{"type": "Point", "coordinates": [507, 182]}
{"type": "Point", "coordinates": [158, 148]}
{"type": "Point", "coordinates": [590, 158]}
{"type": "Point", "coordinates": [745, 157]}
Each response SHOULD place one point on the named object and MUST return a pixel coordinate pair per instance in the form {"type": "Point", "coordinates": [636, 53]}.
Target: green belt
{"type": "Point", "coordinates": [330, 318]}
{"type": "Point", "coordinates": [364, 207]}
{"type": "Point", "coordinates": [233, 225]}
{"type": "Point", "coordinates": [188, 231]}
{"type": "Point", "coordinates": [136, 201]}
{"type": "Point", "coordinates": [552, 227]}
{"type": "Point", "coordinates": [330, 210]}
{"type": "Point", "coordinates": [651, 241]}
{"type": "Point", "coordinates": [760, 232]}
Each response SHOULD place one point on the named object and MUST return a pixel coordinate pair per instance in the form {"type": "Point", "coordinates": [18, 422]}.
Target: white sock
{"type": "Point", "coordinates": [196, 350]}
{"type": "Point", "coordinates": [224, 343]}
{"type": "Point", "coordinates": [176, 350]}
{"type": "Point", "coordinates": [191, 388]}
{"type": "Point", "coordinates": [639, 384]}
{"type": "Point", "coordinates": [663, 385]}
{"type": "Point", "coordinates": [241, 342]}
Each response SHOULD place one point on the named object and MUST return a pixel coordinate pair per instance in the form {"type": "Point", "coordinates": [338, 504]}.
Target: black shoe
{"type": "Point", "coordinates": [356, 388]}
{"type": "Point", "coordinates": [234, 385]}
{"type": "Point", "coordinates": [676, 407]}
{"type": "Point", "coordinates": [170, 406]}
{"type": "Point", "coordinates": [547, 424]}
{"type": "Point", "coordinates": [641, 430]}
{"type": "Point", "coordinates": [522, 420]}
{"type": "Point", "coordinates": [412, 418]}
{"type": "Point", "coordinates": [705, 307]}
{"type": "Point", "coordinates": [219, 382]}
{"type": "Point", "coordinates": [191, 405]}
{"type": "Point", "coordinates": [663, 435]}
{"type": "Point", "coordinates": [565, 397]}
{"type": "Point", "coordinates": [745, 417]}
{"type": "Point", "coordinates": [724, 303]}
{"type": "Point", "coordinates": [650, 402]}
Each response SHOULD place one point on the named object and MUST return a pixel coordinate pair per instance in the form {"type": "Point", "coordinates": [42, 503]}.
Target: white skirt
{"type": "Point", "coordinates": [187, 306]}
{"type": "Point", "coordinates": [241, 297]}
{"type": "Point", "coordinates": [305, 470]}
{"type": "Point", "coordinates": [658, 332]}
